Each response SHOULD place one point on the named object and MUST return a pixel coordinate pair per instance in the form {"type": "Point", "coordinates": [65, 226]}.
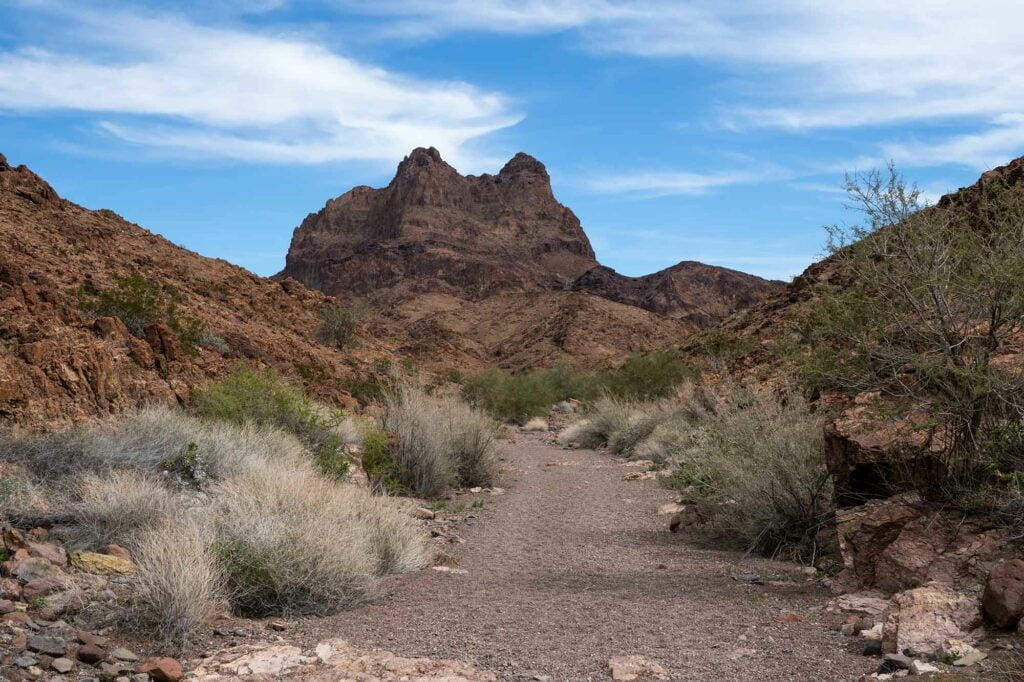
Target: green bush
{"type": "Point", "coordinates": [648, 376]}
{"type": "Point", "coordinates": [262, 397]}
{"type": "Point", "coordinates": [380, 467]}
{"type": "Point", "coordinates": [338, 325]}
{"type": "Point", "coordinates": [517, 397]}
{"type": "Point", "coordinates": [139, 303]}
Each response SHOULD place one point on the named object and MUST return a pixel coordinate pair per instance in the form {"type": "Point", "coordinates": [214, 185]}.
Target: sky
{"type": "Point", "coordinates": [675, 129]}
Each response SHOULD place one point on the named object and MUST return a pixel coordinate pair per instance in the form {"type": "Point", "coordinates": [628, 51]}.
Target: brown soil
{"type": "Point", "coordinates": [573, 566]}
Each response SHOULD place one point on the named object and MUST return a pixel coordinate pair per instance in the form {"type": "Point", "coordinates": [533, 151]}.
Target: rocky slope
{"type": "Point", "coordinates": [58, 365]}
{"type": "Point", "coordinates": [484, 241]}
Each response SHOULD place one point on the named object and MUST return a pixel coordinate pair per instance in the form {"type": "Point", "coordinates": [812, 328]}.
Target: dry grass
{"type": "Point", "coordinates": [438, 441]}
{"type": "Point", "coordinates": [177, 587]}
{"type": "Point", "coordinates": [216, 511]}
{"type": "Point", "coordinates": [608, 417]}
{"type": "Point", "coordinates": [116, 507]}
{"type": "Point", "coordinates": [536, 424]}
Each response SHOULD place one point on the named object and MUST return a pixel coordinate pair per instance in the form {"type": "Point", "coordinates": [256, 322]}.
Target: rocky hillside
{"type": "Point", "coordinates": [60, 364]}
{"type": "Point", "coordinates": [432, 230]}
{"type": "Point", "coordinates": [697, 293]}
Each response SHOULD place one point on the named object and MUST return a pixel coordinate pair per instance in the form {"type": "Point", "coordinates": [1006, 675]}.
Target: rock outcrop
{"type": "Point", "coordinates": [434, 230]}
{"type": "Point", "coordinates": [449, 262]}
{"type": "Point", "coordinates": [59, 364]}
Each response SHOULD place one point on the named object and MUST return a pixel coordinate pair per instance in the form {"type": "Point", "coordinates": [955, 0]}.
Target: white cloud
{"type": "Point", "coordinates": [817, 64]}
{"type": "Point", "coordinates": [233, 93]}
{"type": "Point", "coordinates": [665, 183]}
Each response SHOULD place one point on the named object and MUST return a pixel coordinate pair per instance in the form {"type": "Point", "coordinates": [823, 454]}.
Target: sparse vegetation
{"type": "Point", "coordinates": [437, 441]}
{"type": "Point", "coordinates": [338, 325]}
{"type": "Point", "coordinates": [216, 510]}
{"type": "Point", "coordinates": [517, 397]}
{"type": "Point", "coordinates": [139, 303]}
{"type": "Point", "coordinates": [262, 397]}
{"type": "Point", "coordinates": [754, 462]}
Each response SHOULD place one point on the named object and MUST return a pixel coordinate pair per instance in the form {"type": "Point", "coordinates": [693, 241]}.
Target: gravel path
{"type": "Point", "coordinates": [573, 565]}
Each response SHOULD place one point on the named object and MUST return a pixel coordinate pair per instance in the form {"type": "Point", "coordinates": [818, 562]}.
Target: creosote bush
{"type": "Point", "coordinates": [139, 303]}
{"type": "Point", "coordinates": [337, 326]}
{"type": "Point", "coordinates": [262, 397]}
{"type": "Point", "coordinates": [438, 441]}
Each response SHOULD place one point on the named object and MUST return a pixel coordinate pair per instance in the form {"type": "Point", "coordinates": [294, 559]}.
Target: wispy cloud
{"type": "Point", "coordinates": [816, 64]}
{"type": "Point", "coordinates": [665, 183]}
{"type": "Point", "coordinates": [233, 93]}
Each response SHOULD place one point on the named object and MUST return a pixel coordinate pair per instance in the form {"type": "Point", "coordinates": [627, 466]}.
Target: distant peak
{"type": "Point", "coordinates": [3, 163]}
{"type": "Point", "coordinates": [419, 160]}
{"type": "Point", "coordinates": [523, 163]}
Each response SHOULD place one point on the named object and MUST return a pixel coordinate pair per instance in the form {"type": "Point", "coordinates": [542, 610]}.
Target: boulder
{"type": "Point", "coordinates": [635, 667]}
{"type": "Point", "coordinates": [1003, 599]}
{"type": "Point", "coordinates": [33, 568]}
{"type": "Point", "coordinates": [161, 669]}
{"type": "Point", "coordinates": [923, 620]}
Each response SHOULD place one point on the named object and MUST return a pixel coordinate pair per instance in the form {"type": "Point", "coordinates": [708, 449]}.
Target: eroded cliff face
{"type": "Point", "coordinates": [59, 365]}
{"type": "Point", "coordinates": [434, 230]}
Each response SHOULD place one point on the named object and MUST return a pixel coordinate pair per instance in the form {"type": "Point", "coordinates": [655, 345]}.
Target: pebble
{"type": "Point", "coordinates": [894, 662]}
{"type": "Point", "coordinates": [123, 654]}
{"type": "Point", "coordinates": [25, 661]}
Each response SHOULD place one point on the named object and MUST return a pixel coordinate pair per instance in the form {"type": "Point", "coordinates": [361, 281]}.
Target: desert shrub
{"type": "Point", "coordinates": [536, 424]}
{"type": "Point", "coordinates": [647, 376]}
{"type": "Point", "coordinates": [758, 465]}
{"type": "Point", "coordinates": [932, 294]}
{"type": "Point", "coordinates": [722, 348]}
{"type": "Point", "coordinates": [437, 441]}
{"type": "Point", "coordinates": [381, 468]}
{"type": "Point", "coordinates": [177, 587]}
{"type": "Point", "coordinates": [337, 326]}
{"type": "Point", "coordinates": [263, 397]}
{"type": "Point", "coordinates": [637, 429]}
{"type": "Point", "coordinates": [139, 303]}
{"type": "Point", "coordinates": [607, 417]}
{"type": "Point", "coordinates": [517, 397]}
{"type": "Point", "coordinates": [284, 547]}
{"type": "Point", "coordinates": [117, 507]}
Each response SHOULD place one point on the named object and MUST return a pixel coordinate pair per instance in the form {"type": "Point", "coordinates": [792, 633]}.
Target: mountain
{"type": "Point", "coordinates": [474, 254]}
{"type": "Point", "coordinates": [59, 364]}
{"type": "Point", "coordinates": [700, 294]}
{"type": "Point", "coordinates": [433, 230]}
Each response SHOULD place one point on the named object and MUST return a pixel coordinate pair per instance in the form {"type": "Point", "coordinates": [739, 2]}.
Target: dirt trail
{"type": "Point", "coordinates": [573, 565]}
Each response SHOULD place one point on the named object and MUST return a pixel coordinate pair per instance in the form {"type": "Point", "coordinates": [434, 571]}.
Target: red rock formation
{"type": "Point", "coordinates": [59, 366]}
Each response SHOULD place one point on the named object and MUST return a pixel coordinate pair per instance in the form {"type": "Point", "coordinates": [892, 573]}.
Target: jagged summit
{"type": "Point", "coordinates": [434, 231]}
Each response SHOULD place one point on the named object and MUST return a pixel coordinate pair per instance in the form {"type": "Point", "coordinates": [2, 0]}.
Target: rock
{"type": "Point", "coordinates": [789, 617]}
{"type": "Point", "coordinates": [893, 662]}
{"type": "Point", "coordinates": [86, 637]}
{"type": "Point", "coordinates": [925, 618]}
{"type": "Point", "coordinates": [872, 647]}
{"type": "Point", "coordinates": [922, 668]}
{"type": "Point", "coordinates": [278, 625]}
{"type": "Point", "coordinates": [41, 587]}
{"type": "Point", "coordinates": [101, 564]}
{"type": "Point", "coordinates": [970, 658]}
{"type": "Point", "coordinates": [53, 553]}
{"type": "Point", "coordinates": [119, 551]}
{"type": "Point", "coordinates": [91, 653]}
{"type": "Point", "coordinates": [51, 646]}
{"type": "Point", "coordinates": [670, 508]}
{"type": "Point", "coordinates": [869, 604]}
{"type": "Point", "coordinates": [423, 513]}
{"type": "Point", "coordinates": [6, 606]}
{"type": "Point", "coordinates": [10, 589]}
{"type": "Point", "coordinates": [62, 665]}
{"type": "Point", "coordinates": [34, 568]}
{"type": "Point", "coordinates": [161, 669]}
{"type": "Point", "coordinates": [123, 654]}
{"type": "Point", "coordinates": [1003, 599]}
{"type": "Point", "coordinates": [25, 661]}
{"type": "Point", "coordinates": [640, 476]}
{"type": "Point", "coordinates": [635, 667]}
{"type": "Point", "coordinates": [689, 516]}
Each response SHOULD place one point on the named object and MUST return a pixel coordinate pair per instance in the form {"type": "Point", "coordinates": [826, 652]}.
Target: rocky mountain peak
{"type": "Point", "coordinates": [523, 164]}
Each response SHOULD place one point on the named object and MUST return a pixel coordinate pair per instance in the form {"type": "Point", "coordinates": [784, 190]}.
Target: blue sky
{"type": "Point", "coordinates": [675, 129]}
